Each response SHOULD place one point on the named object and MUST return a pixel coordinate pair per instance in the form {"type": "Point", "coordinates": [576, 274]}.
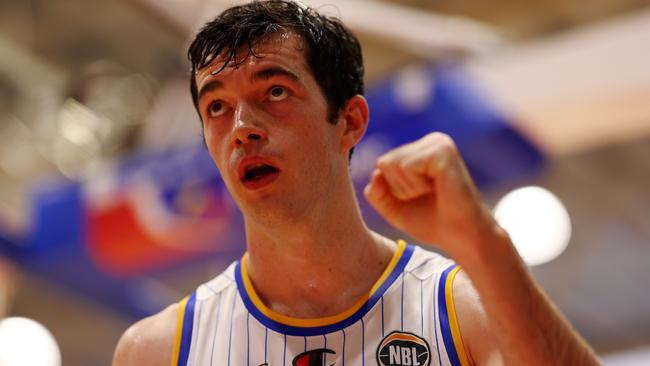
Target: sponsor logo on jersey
{"type": "Point", "coordinates": [315, 357]}
{"type": "Point", "coordinates": [403, 349]}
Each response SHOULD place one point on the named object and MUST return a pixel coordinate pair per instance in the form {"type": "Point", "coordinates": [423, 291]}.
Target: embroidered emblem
{"type": "Point", "coordinates": [403, 349]}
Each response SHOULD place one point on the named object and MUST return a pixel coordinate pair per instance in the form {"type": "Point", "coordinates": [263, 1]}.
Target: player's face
{"type": "Point", "coordinates": [265, 125]}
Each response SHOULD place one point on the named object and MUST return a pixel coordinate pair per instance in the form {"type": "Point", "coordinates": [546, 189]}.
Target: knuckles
{"type": "Point", "coordinates": [441, 142]}
{"type": "Point", "coordinates": [404, 165]}
{"type": "Point", "coordinates": [438, 136]}
{"type": "Point", "coordinates": [388, 162]}
{"type": "Point", "coordinates": [436, 145]}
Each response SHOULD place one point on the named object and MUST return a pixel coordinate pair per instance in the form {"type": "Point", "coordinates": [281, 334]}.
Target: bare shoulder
{"type": "Point", "coordinates": [473, 323]}
{"type": "Point", "coordinates": [150, 341]}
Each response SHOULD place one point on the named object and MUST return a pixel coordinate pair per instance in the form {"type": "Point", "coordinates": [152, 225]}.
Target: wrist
{"type": "Point", "coordinates": [484, 246]}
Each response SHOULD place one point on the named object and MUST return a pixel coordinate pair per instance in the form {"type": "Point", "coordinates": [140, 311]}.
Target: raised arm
{"type": "Point", "coordinates": [424, 189]}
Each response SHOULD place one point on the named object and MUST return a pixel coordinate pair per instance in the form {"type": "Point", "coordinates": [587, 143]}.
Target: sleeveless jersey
{"type": "Point", "coordinates": [408, 318]}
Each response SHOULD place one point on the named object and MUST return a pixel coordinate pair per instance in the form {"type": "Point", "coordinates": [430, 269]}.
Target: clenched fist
{"type": "Point", "coordinates": [423, 189]}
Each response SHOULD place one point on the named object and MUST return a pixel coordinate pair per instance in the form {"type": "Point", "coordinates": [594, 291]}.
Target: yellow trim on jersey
{"type": "Point", "coordinates": [453, 320]}
{"type": "Point", "coordinates": [318, 322]}
{"type": "Point", "coordinates": [179, 331]}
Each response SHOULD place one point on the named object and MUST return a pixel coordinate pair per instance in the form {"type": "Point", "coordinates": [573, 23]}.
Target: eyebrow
{"type": "Point", "coordinates": [261, 75]}
{"type": "Point", "coordinates": [273, 71]}
{"type": "Point", "coordinates": [210, 86]}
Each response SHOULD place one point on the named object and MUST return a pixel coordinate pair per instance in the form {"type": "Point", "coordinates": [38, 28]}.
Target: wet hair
{"type": "Point", "coordinates": [331, 51]}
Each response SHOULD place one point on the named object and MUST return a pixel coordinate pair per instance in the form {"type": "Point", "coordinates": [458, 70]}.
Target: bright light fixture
{"type": "Point", "coordinates": [26, 342]}
{"type": "Point", "coordinates": [537, 222]}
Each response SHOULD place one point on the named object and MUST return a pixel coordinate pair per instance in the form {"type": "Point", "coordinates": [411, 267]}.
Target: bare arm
{"type": "Point", "coordinates": [527, 327]}
{"type": "Point", "coordinates": [149, 341]}
{"type": "Point", "coordinates": [424, 189]}
{"type": "Point", "coordinates": [480, 345]}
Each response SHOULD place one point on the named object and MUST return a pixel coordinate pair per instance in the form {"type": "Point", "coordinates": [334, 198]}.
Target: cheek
{"type": "Point", "coordinates": [214, 133]}
{"type": "Point", "coordinates": [209, 139]}
{"type": "Point", "coordinates": [214, 141]}
{"type": "Point", "coordinates": [281, 110]}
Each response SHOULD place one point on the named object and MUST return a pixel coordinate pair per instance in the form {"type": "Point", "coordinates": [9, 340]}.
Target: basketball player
{"type": "Point", "coordinates": [279, 91]}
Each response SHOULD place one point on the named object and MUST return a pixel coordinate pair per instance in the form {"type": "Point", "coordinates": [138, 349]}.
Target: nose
{"type": "Point", "coordinates": [247, 126]}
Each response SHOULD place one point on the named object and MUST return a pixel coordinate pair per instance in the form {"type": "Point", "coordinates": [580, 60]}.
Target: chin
{"type": "Point", "coordinates": [277, 213]}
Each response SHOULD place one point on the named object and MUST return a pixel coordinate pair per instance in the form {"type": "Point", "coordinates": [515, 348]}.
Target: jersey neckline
{"type": "Point", "coordinates": [316, 326]}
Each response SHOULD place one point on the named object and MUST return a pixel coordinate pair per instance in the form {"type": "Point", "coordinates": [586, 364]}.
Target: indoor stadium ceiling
{"type": "Point", "coordinates": [530, 18]}
{"type": "Point", "coordinates": [121, 28]}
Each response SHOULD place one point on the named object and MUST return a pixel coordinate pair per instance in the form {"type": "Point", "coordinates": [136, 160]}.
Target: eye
{"type": "Point", "coordinates": [278, 93]}
{"type": "Point", "coordinates": [216, 108]}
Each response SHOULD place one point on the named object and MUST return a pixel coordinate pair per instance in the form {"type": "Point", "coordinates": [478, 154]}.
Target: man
{"type": "Point", "coordinates": [279, 91]}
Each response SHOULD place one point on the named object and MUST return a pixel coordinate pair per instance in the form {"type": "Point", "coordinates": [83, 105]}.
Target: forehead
{"type": "Point", "coordinates": [282, 48]}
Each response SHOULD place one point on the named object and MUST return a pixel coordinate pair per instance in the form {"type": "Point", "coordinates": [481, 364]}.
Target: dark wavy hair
{"type": "Point", "coordinates": [332, 52]}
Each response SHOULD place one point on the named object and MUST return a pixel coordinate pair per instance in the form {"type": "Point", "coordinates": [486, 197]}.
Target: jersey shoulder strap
{"type": "Point", "coordinates": [186, 309]}
{"type": "Point", "coordinates": [448, 319]}
{"type": "Point", "coordinates": [184, 326]}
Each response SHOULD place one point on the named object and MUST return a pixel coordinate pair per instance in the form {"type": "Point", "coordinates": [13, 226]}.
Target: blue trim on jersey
{"type": "Point", "coordinates": [311, 331]}
{"type": "Point", "coordinates": [435, 316]}
{"type": "Point", "coordinates": [382, 316]}
{"type": "Point", "coordinates": [284, 353]}
{"type": "Point", "coordinates": [266, 343]}
{"type": "Point", "coordinates": [343, 355]}
{"type": "Point", "coordinates": [232, 311]}
{"type": "Point", "coordinates": [401, 307]}
{"type": "Point", "coordinates": [363, 343]}
{"type": "Point", "coordinates": [421, 308]}
{"type": "Point", "coordinates": [324, 346]}
{"type": "Point", "coordinates": [186, 334]}
{"type": "Point", "coordinates": [198, 321]}
{"type": "Point", "coordinates": [444, 319]}
{"type": "Point", "coordinates": [248, 340]}
{"type": "Point", "coordinates": [216, 328]}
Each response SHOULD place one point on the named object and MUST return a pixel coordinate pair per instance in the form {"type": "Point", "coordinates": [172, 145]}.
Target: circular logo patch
{"type": "Point", "coordinates": [403, 349]}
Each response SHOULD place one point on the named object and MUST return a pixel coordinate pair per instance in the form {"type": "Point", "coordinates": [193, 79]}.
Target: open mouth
{"type": "Point", "coordinates": [258, 171]}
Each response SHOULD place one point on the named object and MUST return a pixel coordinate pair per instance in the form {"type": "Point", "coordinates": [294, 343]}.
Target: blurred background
{"type": "Point", "coordinates": [110, 208]}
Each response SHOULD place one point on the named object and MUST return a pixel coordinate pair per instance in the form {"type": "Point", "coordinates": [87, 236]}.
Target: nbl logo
{"type": "Point", "coordinates": [403, 349]}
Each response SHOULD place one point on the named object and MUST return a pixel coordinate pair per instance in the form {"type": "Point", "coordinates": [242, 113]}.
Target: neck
{"type": "Point", "coordinates": [329, 259]}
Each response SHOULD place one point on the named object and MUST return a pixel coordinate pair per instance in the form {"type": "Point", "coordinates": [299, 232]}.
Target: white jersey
{"type": "Point", "coordinates": [408, 318]}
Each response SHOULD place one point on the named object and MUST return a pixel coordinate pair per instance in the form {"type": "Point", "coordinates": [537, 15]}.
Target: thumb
{"type": "Point", "coordinates": [380, 197]}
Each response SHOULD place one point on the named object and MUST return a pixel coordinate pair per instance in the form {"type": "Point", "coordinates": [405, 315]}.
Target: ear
{"type": "Point", "coordinates": [352, 122]}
